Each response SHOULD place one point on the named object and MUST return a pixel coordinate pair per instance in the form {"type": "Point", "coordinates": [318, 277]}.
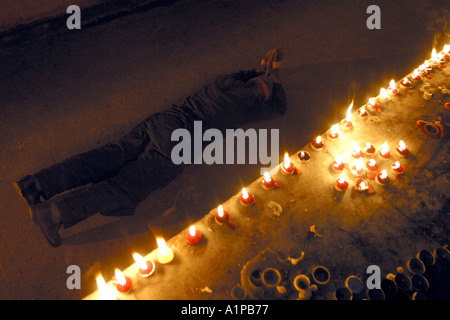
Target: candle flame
{"type": "Point", "coordinates": [426, 63]}
{"type": "Point", "coordinates": [362, 185]}
{"type": "Point", "coordinates": [359, 164]}
{"type": "Point", "coordinates": [120, 278]}
{"type": "Point", "coordinates": [402, 145]}
{"type": "Point", "coordinates": [334, 129]}
{"type": "Point", "coordinates": [372, 162]}
{"type": "Point", "coordinates": [368, 145]}
{"type": "Point", "coordinates": [162, 246]}
{"type": "Point", "coordinates": [318, 139]}
{"type": "Point", "coordinates": [384, 94]}
{"type": "Point", "coordinates": [446, 48]}
{"type": "Point", "coordinates": [355, 146]}
{"type": "Point", "coordinates": [342, 178]}
{"type": "Point", "coordinates": [192, 231]}
{"type": "Point", "coordinates": [220, 211]}
{"type": "Point", "coordinates": [140, 261]}
{"type": "Point", "coordinates": [267, 175]}
{"type": "Point", "coordinates": [434, 55]}
{"type": "Point", "coordinates": [421, 67]}
{"type": "Point", "coordinates": [405, 80]}
{"type": "Point", "coordinates": [384, 148]}
{"type": "Point", "coordinates": [287, 161]}
{"type": "Point", "coordinates": [392, 85]}
{"type": "Point", "coordinates": [348, 118]}
{"type": "Point", "coordinates": [338, 159]}
{"type": "Point", "coordinates": [103, 290]}
{"type": "Point", "coordinates": [415, 73]}
{"type": "Point", "coordinates": [383, 174]}
{"type": "Point", "coordinates": [396, 165]}
{"type": "Point", "coordinates": [244, 193]}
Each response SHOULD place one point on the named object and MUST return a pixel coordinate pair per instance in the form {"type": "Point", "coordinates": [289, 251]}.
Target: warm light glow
{"type": "Point", "coordinates": [359, 164]}
{"type": "Point", "coordinates": [368, 145]}
{"type": "Point", "coordinates": [192, 231]}
{"type": "Point", "coordinates": [342, 178]}
{"type": "Point", "coordinates": [103, 290]}
{"type": "Point", "coordinates": [396, 165]}
{"type": "Point", "coordinates": [422, 67]}
{"type": "Point", "coordinates": [384, 94]}
{"type": "Point", "coordinates": [446, 48]}
{"type": "Point", "coordinates": [415, 73]}
{"type": "Point", "coordinates": [338, 159]}
{"type": "Point", "coordinates": [392, 85]}
{"type": "Point", "coordinates": [427, 64]}
{"type": "Point", "coordinates": [348, 118]}
{"type": "Point", "coordinates": [383, 174]}
{"type": "Point", "coordinates": [140, 261]}
{"type": "Point", "coordinates": [384, 148]}
{"type": "Point", "coordinates": [244, 193]}
{"type": "Point", "coordinates": [402, 145]}
{"type": "Point", "coordinates": [434, 56]}
{"type": "Point", "coordinates": [334, 129]}
{"type": "Point", "coordinates": [220, 211]}
{"type": "Point", "coordinates": [287, 161]}
{"type": "Point", "coordinates": [163, 250]}
{"type": "Point", "coordinates": [372, 162]}
{"type": "Point", "coordinates": [405, 80]}
{"type": "Point", "coordinates": [318, 139]}
{"type": "Point", "coordinates": [356, 148]}
{"type": "Point", "coordinates": [267, 177]}
{"type": "Point", "coordinates": [362, 185]}
{"type": "Point", "coordinates": [120, 278]}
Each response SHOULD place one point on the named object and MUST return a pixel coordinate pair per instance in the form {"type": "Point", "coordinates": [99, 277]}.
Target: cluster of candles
{"type": "Point", "coordinates": [358, 171]}
{"type": "Point", "coordinates": [369, 169]}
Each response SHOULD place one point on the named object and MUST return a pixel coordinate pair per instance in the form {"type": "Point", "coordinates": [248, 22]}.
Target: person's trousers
{"type": "Point", "coordinates": [118, 176]}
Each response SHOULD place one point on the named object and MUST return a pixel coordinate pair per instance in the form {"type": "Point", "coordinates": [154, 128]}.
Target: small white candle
{"type": "Point", "coordinates": [165, 254]}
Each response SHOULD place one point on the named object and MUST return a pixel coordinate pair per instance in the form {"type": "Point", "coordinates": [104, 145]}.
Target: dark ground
{"type": "Point", "coordinates": [67, 93]}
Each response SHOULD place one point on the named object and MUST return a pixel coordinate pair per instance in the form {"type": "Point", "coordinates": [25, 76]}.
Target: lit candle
{"type": "Point", "coordinates": [146, 267]}
{"type": "Point", "coordinates": [401, 149]}
{"type": "Point", "coordinates": [104, 292]}
{"type": "Point", "coordinates": [369, 149]}
{"type": "Point", "coordinates": [361, 185]}
{"type": "Point", "coordinates": [372, 169]}
{"type": "Point", "coordinates": [287, 167]}
{"type": "Point", "coordinates": [317, 143]}
{"type": "Point", "coordinates": [346, 124]}
{"type": "Point", "coordinates": [446, 52]}
{"type": "Point", "coordinates": [357, 169]}
{"type": "Point", "coordinates": [268, 182]}
{"type": "Point", "coordinates": [333, 133]}
{"type": "Point", "coordinates": [222, 217]}
{"type": "Point", "coordinates": [341, 184]}
{"type": "Point", "coordinates": [405, 82]}
{"type": "Point", "coordinates": [428, 67]}
{"type": "Point", "coordinates": [193, 235]}
{"type": "Point", "coordinates": [422, 69]}
{"type": "Point", "coordinates": [362, 113]}
{"type": "Point", "coordinates": [397, 169]}
{"type": "Point", "coordinates": [123, 284]}
{"type": "Point", "coordinates": [382, 178]}
{"type": "Point", "coordinates": [165, 254]}
{"type": "Point", "coordinates": [384, 96]}
{"type": "Point", "coordinates": [415, 75]}
{"type": "Point", "coordinates": [434, 61]}
{"type": "Point", "coordinates": [356, 153]}
{"type": "Point", "coordinates": [304, 156]}
{"type": "Point", "coordinates": [337, 164]}
{"type": "Point", "coordinates": [384, 152]}
{"type": "Point", "coordinates": [372, 106]}
{"type": "Point", "coordinates": [247, 199]}
{"type": "Point", "coordinates": [393, 87]}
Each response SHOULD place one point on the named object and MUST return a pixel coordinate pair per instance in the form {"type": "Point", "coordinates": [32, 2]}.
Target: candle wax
{"type": "Point", "coordinates": [149, 270]}
{"type": "Point", "coordinates": [193, 238]}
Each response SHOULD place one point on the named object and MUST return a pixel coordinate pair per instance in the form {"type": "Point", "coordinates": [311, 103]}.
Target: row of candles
{"type": "Point", "coordinates": [359, 171]}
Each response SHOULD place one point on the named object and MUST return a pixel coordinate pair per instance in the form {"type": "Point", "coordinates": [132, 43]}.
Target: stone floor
{"type": "Point", "coordinates": [69, 92]}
